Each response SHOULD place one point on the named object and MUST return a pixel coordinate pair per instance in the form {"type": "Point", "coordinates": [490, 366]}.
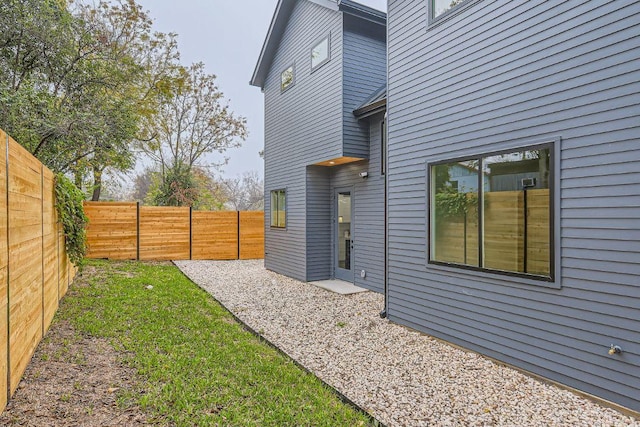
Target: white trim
{"type": "Point", "coordinates": [333, 5]}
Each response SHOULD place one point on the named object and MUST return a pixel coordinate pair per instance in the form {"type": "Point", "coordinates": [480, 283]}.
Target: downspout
{"type": "Point", "coordinates": [385, 310]}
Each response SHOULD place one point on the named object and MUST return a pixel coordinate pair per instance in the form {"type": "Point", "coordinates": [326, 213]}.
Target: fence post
{"type": "Point", "coordinates": [42, 239]}
{"type": "Point", "coordinates": [238, 257]}
{"type": "Point", "coordinates": [8, 277]}
{"type": "Point", "coordinates": [190, 233]}
{"type": "Point", "coordinates": [137, 231]}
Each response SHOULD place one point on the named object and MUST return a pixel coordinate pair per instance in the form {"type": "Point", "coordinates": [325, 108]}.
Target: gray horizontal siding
{"type": "Point", "coordinates": [303, 125]}
{"type": "Point", "coordinates": [517, 72]}
{"type": "Point", "coordinates": [318, 223]}
{"type": "Point", "coordinates": [368, 222]}
{"type": "Point", "coordinates": [365, 70]}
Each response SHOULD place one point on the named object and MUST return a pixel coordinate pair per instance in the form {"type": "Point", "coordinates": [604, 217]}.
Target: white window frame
{"type": "Point", "coordinates": [318, 42]}
{"type": "Point", "coordinates": [434, 20]}
{"type": "Point", "coordinates": [284, 88]}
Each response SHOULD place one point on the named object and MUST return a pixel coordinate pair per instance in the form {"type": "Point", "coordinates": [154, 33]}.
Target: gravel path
{"type": "Point", "coordinates": [401, 377]}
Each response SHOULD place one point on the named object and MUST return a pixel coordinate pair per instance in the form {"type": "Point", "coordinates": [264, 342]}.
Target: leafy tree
{"type": "Point", "coordinates": [211, 191]}
{"type": "Point", "coordinates": [191, 122]}
{"type": "Point", "coordinates": [76, 79]}
{"type": "Point", "coordinates": [177, 188]}
{"type": "Point", "coordinates": [199, 190]}
{"type": "Point", "coordinates": [143, 183]}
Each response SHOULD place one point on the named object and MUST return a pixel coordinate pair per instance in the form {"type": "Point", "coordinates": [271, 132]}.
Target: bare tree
{"type": "Point", "coordinates": [245, 192]}
{"type": "Point", "coordinates": [192, 121]}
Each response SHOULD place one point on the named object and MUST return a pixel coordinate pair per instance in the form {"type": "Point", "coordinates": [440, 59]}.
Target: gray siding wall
{"type": "Point", "coordinates": [368, 199]}
{"type": "Point", "coordinates": [505, 72]}
{"type": "Point", "coordinates": [303, 126]}
{"type": "Point", "coordinates": [365, 72]}
{"type": "Point", "coordinates": [318, 223]}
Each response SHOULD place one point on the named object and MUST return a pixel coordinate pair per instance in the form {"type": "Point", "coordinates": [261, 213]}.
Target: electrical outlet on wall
{"type": "Point", "coordinates": [363, 274]}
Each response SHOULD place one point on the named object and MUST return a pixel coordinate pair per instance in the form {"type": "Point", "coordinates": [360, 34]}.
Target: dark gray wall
{"type": "Point", "coordinates": [365, 72]}
{"type": "Point", "coordinates": [507, 73]}
{"type": "Point", "coordinates": [319, 220]}
{"type": "Point", "coordinates": [303, 126]}
{"type": "Point", "coordinates": [311, 122]}
{"type": "Point", "coordinates": [368, 199]}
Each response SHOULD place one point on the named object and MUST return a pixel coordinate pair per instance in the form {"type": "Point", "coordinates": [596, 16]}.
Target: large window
{"type": "Point", "coordinates": [287, 78]}
{"type": "Point", "coordinates": [279, 208]}
{"type": "Point", "coordinates": [494, 212]}
{"type": "Point", "coordinates": [320, 53]}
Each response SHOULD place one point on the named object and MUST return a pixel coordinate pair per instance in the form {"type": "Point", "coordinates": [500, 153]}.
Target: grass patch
{"type": "Point", "coordinates": [198, 365]}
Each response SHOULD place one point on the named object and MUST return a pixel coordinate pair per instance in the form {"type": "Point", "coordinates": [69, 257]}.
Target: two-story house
{"type": "Point", "coordinates": [324, 189]}
{"type": "Point", "coordinates": [505, 215]}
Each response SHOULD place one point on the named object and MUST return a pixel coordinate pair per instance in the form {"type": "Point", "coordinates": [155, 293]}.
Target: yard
{"type": "Point", "coordinates": [139, 343]}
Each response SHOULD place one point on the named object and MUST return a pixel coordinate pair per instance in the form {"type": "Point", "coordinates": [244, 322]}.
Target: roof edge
{"type": "Point", "coordinates": [276, 14]}
{"type": "Point", "coordinates": [274, 34]}
{"type": "Point", "coordinates": [371, 109]}
{"type": "Point", "coordinates": [353, 8]}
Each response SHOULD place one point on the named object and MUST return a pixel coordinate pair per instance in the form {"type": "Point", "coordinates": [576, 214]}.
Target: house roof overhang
{"type": "Point", "coordinates": [361, 11]}
{"type": "Point", "coordinates": [281, 16]}
{"type": "Point", "coordinates": [374, 105]}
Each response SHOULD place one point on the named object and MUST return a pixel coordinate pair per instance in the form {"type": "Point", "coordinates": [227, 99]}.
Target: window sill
{"type": "Point", "coordinates": [504, 279]}
{"type": "Point", "coordinates": [320, 65]}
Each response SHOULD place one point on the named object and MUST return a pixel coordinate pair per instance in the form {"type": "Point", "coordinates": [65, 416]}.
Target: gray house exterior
{"type": "Point", "coordinates": [493, 77]}
{"type": "Point", "coordinates": [536, 262]}
{"type": "Point", "coordinates": [316, 148]}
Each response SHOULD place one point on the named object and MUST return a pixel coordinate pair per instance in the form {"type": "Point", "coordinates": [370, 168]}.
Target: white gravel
{"type": "Point", "coordinates": [400, 376]}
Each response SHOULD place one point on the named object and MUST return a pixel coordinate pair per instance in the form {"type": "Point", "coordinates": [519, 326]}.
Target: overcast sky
{"type": "Point", "coordinates": [227, 36]}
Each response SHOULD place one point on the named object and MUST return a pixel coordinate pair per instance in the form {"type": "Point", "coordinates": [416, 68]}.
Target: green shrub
{"type": "Point", "coordinates": [69, 201]}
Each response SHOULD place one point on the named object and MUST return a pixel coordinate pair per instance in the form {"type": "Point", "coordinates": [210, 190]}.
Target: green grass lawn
{"type": "Point", "coordinates": [198, 366]}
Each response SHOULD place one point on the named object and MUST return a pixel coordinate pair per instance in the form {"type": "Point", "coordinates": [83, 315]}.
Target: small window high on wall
{"type": "Point", "coordinates": [287, 78]}
{"type": "Point", "coordinates": [494, 213]}
{"type": "Point", "coordinates": [440, 9]}
{"type": "Point", "coordinates": [320, 53]}
{"type": "Point", "coordinates": [278, 208]}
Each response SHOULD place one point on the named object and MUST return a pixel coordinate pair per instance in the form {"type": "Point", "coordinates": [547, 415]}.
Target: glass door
{"type": "Point", "coordinates": [344, 239]}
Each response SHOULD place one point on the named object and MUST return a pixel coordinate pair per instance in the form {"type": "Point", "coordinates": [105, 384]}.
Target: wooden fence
{"type": "Point", "coordinates": [130, 231]}
{"type": "Point", "coordinates": [504, 225]}
{"type": "Point", "coordinates": [35, 272]}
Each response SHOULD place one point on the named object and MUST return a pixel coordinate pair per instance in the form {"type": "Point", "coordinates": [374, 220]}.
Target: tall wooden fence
{"type": "Point", "coordinates": [35, 272]}
{"type": "Point", "coordinates": [504, 229]}
{"type": "Point", "coordinates": [129, 231]}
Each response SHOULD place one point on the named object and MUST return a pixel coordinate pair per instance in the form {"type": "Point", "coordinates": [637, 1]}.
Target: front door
{"type": "Point", "coordinates": [344, 238]}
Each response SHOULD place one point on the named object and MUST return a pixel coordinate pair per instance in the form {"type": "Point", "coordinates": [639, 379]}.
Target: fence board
{"type": "Point", "coordinates": [113, 230]}
{"type": "Point", "coordinates": [251, 235]}
{"type": "Point", "coordinates": [503, 230]}
{"type": "Point", "coordinates": [164, 233]}
{"type": "Point", "coordinates": [215, 235]}
{"type": "Point", "coordinates": [503, 244]}
{"type": "Point", "coordinates": [31, 251]}
{"type": "Point", "coordinates": [25, 262]}
{"type": "Point", "coordinates": [49, 248]}
{"type": "Point", "coordinates": [4, 279]}
{"type": "Point", "coordinates": [63, 264]}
